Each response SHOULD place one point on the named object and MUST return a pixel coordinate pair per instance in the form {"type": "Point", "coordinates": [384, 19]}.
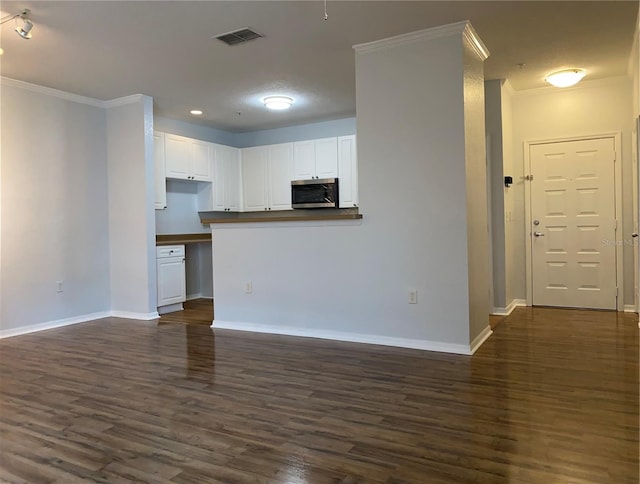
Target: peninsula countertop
{"type": "Point", "coordinates": [297, 215]}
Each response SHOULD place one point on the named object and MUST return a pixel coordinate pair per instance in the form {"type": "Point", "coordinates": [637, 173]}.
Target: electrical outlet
{"type": "Point", "coordinates": [413, 296]}
{"type": "Point", "coordinates": [248, 287]}
{"type": "Point", "coordinates": [59, 286]}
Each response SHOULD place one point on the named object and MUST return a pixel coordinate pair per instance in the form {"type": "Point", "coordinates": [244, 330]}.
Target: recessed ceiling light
{"type": "Point", "coordinates": [566, 78]}
{"type": "Point", "coordinates": [196, 112]}
{"type": "Point", "coordinates": [278, 103]}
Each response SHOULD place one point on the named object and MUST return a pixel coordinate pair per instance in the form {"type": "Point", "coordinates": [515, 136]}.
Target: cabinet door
{"type": "Point", "coordinates": [232, 179]}
{"type": "Point", "coordinates": [348, 172]}
{"type": "Point", "coordinates": [304, 160]}
{"type": "Point", "coordinates": [176, 157]}
{"type": "Point", "coordinates": [218, 178]}
{"type": "Point", "coordinates": [327, 158]}
{"type": "Point", "coordinates": [160, 202]}
{"type": "Point", "coordinates": [279, 176]}
{"type": "Point", "coordinates": [201, 160]}
{"type": "Point", "coordinates": [254, 176]}
{"type": "Point", "coordinates": [172, 287]}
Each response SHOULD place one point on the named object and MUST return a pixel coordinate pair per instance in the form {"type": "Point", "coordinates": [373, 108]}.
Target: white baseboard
{"type": "Point", "coordinates": [344, 336]}
{"type": "Point", "coordinates": [32, 328]}
{"type": "Point", "coordinates": [130, 315]}
{"type": "Point", "coordinates": [190, 297]}
{"type": "Point", "coordinates": [481, 338]}
{"type": "Point", "coordinates": [630, 308]}
{"type": "Point", "coordinates": [509, 309]}
{"type": "Point", "coordinates": [170, 308]}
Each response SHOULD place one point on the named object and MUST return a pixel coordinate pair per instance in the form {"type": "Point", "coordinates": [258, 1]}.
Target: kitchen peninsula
{"type": "Point", "coordinates": [298, 215]}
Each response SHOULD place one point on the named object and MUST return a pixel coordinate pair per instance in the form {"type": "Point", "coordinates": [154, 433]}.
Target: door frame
{"type": "Point", "coordinates": [617, 176]}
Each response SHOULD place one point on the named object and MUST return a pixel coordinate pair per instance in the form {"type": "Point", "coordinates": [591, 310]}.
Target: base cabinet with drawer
{"type": "Point", "coordinates": [172, 286]}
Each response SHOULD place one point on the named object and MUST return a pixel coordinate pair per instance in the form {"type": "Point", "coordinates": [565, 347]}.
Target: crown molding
{"type": "Point", "coordinates": [67, 96]}
{"type": "Point", "coordinates": [478, 47]}
{"type": "Point", "coordinates": [122, 101]}
{"type": "Point", "coordinates": [457, 28]}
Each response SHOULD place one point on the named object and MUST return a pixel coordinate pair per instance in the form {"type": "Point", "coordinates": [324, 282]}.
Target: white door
{"type": "Point", "coordinates": [347, 172]}
{"type": "Point", "coordinates": [160, 202]}
{"type": "Point", "coordinates": [232, 179]}
{"type": "Point", "coordinates": [304, 160]}
{"type": "Point", "coordinates": [573, 224]}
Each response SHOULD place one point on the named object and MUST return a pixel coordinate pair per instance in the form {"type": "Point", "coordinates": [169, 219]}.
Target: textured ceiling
{"type": "Point", "coordinates": [165, 49]}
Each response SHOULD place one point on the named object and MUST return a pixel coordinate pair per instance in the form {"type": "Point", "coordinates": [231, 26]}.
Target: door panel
{"type": "Point", "coordinates": [573, 203]}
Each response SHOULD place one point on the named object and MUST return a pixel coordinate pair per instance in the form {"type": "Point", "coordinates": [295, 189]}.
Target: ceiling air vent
{"type": "Point", "coordinates": [238, 36]}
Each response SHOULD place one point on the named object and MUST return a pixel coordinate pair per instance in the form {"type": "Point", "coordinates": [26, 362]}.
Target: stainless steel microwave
{"type": "Point", "coordinates": [316, 193]}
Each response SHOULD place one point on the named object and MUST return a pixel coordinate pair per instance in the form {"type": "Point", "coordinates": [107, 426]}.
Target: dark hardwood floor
{"type": "Point", "coordinates": [196, 311]}
{"type": "Point", "coordinates": [551, 397]}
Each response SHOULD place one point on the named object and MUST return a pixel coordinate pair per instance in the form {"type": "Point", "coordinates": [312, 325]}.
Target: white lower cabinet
{"type": "Point", "coordinates": [170, 266]}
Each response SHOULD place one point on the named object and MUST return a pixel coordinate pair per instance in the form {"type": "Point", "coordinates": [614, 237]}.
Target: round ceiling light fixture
{"type": "Point", "coordinates": [196, 112]}
{"type": "Point", "coordinates": [565, 78]}
{"type": "Point", "coordinates": [277, 103]}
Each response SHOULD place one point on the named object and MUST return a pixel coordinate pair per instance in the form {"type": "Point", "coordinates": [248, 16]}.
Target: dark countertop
{"type": "Point", "coordinates": [297, 215]}
{"type": "Point", "coordinates": [177, 239]}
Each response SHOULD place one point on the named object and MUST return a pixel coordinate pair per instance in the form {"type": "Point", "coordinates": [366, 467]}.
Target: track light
{"type": "Point", "coordinates": [25, 30]}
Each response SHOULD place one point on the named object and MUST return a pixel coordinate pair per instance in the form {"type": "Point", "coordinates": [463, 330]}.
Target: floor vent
{"type": "Point", "coordinates": [238, 36]}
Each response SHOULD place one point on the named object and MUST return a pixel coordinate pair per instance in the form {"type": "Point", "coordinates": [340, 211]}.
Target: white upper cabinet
{"type": "Point", "coordinates": [188, 159]}
{"type": "Point", "coordinates": [201, 160]}
{"type": "Point", "coordinates": [226, 179]}
{"type": "Point", "coordinates": [160, 202]}
{"type": "Point", "coordinates": [279, 176]}
{"type": "Point", "coordinates": [347, 172]}
{"type": "Point", "coordinates": [266, 177]}
{"type": "Point", "coordinates": [254, 178]}
{"type": "Point", "coordinates": [315, 159]}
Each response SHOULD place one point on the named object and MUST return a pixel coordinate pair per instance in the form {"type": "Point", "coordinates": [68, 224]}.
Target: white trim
{"type": "Point", "coordinates": [170, 308]}
{"type": "Point", "coordinates": [515, 303]}
{"type": "Point", "coordinates": [630, 308]}
{"type": "Point", "coordinates": [460, 28]}
{"type": "Point", "coordinates": [32, 328]}
{"type": "Point", "coordinates": [122, 101]}
{"type": "Point", "coordinates": [617, 167]}
{"type": "Point", "coordinates": [191, 297]}
{"type": "Point", "coordinates": [344, 336]}
{"type": "Point", "coordinates": [470, 34]}
{"type": "Point", "coordinates": [139, 316]}
{"type": "Point", "coordinates": [481, 338]}
{"type": "Point", "coordinates": [67, 96]}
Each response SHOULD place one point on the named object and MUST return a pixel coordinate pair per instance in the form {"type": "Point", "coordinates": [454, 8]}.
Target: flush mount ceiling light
{"type": "Point", "coordinates": [277, 103]}
{"type": "Point", "coordinates": [196, 112]}
{"type": "Point", "coordinates": [566, 78]}
{"type": "Point", "coordinates": [25, 30]}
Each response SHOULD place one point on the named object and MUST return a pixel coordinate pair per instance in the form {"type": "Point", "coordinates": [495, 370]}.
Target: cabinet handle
{"type": "Point", "coordinates": [183, 260]}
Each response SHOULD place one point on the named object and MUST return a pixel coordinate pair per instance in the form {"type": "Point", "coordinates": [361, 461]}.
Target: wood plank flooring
{"type": "Point", "coordinates": [196, 311]}
{"type": "Point", "coordinates": [551, 397]}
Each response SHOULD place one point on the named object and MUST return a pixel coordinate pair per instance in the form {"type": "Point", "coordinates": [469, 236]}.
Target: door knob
{"type": "Point", "coordinates": [538, 234]}
{"type": "Point", "coordinates": [635, 234]}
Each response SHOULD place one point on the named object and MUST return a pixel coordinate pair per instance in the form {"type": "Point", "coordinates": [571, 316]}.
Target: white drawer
{"type": "Point", "coordinates": [164, 251]}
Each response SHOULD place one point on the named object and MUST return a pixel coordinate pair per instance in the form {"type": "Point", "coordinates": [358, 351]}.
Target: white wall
{"type": "Point", "coordinates": [131, 215]}
{"type": "Point", "coordinates": [354, 278]}
{"type": "Point", "coordinates": [494, 128]}
{"type": "Point", "coordinates": [592, 107]}
{"type": "Point", "coordinates": [511, 265]}
{"type": "Point", "coordinates": [181, 215]}
{"type": "Point", "coordinates": [478, 254]}
{"type": "Point", "coordinates": [54, 208]}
